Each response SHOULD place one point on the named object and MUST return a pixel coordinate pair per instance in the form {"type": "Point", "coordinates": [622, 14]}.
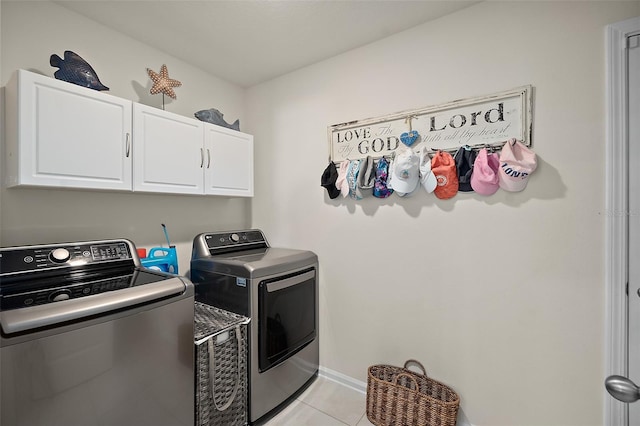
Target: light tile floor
{"type": "Point", "coordinates": [324, 403]}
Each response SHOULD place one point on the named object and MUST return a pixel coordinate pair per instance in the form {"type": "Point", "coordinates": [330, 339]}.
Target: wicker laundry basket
{"type": "Point", "coordinates": [221, 367]}
{"type": "Point", "coordinates": [398, 396]}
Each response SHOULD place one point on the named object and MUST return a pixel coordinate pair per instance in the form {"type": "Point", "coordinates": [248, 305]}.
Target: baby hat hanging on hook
{"type": "Point", "coordinates": [352, 179]}
{"type": "Point", "coordinates": [405, 172]}
{"type": "Point", "coordinates": [367, 174]}
{"type": "Point", "coordinates": [517, 162]}
{"type": "Point", "coordinates": [341, 180]}
{"type": "Point", "coordinates": [444, 167]}
{"type": "Point", "coordinates": [380, 189]}
{"type": "Point", "coordinates": [485, 180]}
{"type": "Point", "coordinates": [465, 158]}
{"type": "Point", "coordinates": [328, 180]}
{"type": "Point", "coordinates": [427, 178]}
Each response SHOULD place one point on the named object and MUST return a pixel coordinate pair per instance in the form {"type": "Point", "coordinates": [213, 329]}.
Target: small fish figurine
{"type": "Point", "coordinates": [76, 70]}
{"type": "Point", "coordinates": [214, 116]}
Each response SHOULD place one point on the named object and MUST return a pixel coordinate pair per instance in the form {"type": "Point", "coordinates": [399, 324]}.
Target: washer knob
{"type": "Point", "coordinates": [59, 255]}
{"type": "Point", "coordinates": [234, 237]}
{"type": "Point", "coordinates": [59, 296]}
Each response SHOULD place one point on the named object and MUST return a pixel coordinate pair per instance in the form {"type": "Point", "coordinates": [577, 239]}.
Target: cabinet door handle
{"type": "Point", "coordinates": [128, 144]}
{"type": "Point", "coordinates": [208, 158]}
{"type": "Point", "coordinates": [201, 157]}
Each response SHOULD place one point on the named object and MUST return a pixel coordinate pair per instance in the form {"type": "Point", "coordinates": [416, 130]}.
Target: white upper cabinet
{"type": "Point", "coordinates": [180, 155]}
{"type": "Point", "coordinates": [229, 162]}
{"type": "Point", "coordinates": [63, 135]}
{"type": "Point", "coordinates": [168, 152]}
{"type": "Point", "coordinates": [59, 134]}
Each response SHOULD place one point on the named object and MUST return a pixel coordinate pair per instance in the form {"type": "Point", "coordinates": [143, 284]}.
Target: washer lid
{"type": "Point", "coordinates": [76, 309]}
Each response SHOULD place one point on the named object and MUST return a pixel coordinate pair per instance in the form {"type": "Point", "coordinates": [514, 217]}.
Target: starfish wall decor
{"type": "Point", "coordinates": [162, 83]}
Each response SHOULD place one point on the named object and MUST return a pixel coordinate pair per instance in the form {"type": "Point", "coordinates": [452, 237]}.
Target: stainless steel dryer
{"type": "Point", "coordinates": [277, 289]}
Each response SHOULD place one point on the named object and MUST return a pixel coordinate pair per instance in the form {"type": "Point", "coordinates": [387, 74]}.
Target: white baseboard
{"type": "Point", "coordinates": [342, 379]}
{"type": "Point", "coordinates": [361, 387]}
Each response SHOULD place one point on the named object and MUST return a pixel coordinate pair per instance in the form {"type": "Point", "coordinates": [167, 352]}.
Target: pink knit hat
{"type": "Point", "coordinates": [485, 180]}
{"type": "Point", "coordinates": [517, 162]}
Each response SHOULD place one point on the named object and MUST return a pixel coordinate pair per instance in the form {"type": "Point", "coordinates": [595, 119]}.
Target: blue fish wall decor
{"type": "Point", "coordinates": [214, 116]}
{"type": "Point", "coordinates": [76, 70]}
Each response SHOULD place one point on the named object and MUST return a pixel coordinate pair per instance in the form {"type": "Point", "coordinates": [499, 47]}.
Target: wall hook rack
{"type": "Point", "coordinates": [489, 119]}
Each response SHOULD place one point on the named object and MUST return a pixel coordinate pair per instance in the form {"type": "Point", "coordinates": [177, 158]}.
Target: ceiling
{"type": "Point", "coordinates": [248, 42]}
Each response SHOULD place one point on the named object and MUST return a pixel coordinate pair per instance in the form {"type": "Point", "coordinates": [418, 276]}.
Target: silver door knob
{"type": "Point", "coordinates": [622, 389]}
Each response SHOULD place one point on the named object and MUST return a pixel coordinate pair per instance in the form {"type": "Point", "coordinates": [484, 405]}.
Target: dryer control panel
{"type": "Point", "coordinates": [223, 242]}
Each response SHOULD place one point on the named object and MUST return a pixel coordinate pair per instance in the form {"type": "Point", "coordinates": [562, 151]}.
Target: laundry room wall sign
{"type": "Point", "coordinates": [488, 120]}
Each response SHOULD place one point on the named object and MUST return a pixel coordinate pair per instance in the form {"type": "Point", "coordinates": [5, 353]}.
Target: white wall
{"type": "Point", "coordinates": [501, 297]}
{"type": "Point", "coordinates": [31, 31]}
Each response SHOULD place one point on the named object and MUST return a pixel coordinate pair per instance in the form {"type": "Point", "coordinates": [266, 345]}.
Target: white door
{"type": "Point", "coordinates": [625, 388]}
{"type": "Point", "coordinates": [634, 220]}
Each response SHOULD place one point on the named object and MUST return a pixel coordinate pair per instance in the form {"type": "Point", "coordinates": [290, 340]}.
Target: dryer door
{"type": "Point", "coordinates": [287, 312]}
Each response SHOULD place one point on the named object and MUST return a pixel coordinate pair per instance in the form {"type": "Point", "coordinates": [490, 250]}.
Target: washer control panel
{"type": "Point", "coordinates": [43, 257]}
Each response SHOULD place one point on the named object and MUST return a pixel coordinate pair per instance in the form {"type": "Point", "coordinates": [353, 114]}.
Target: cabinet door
{"type": "Point", "coordinates": [168, 152]}
{"type": "Point", "coordinates": [229, 162]}
{"type": "Point", "coordinates": [64, 135]}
